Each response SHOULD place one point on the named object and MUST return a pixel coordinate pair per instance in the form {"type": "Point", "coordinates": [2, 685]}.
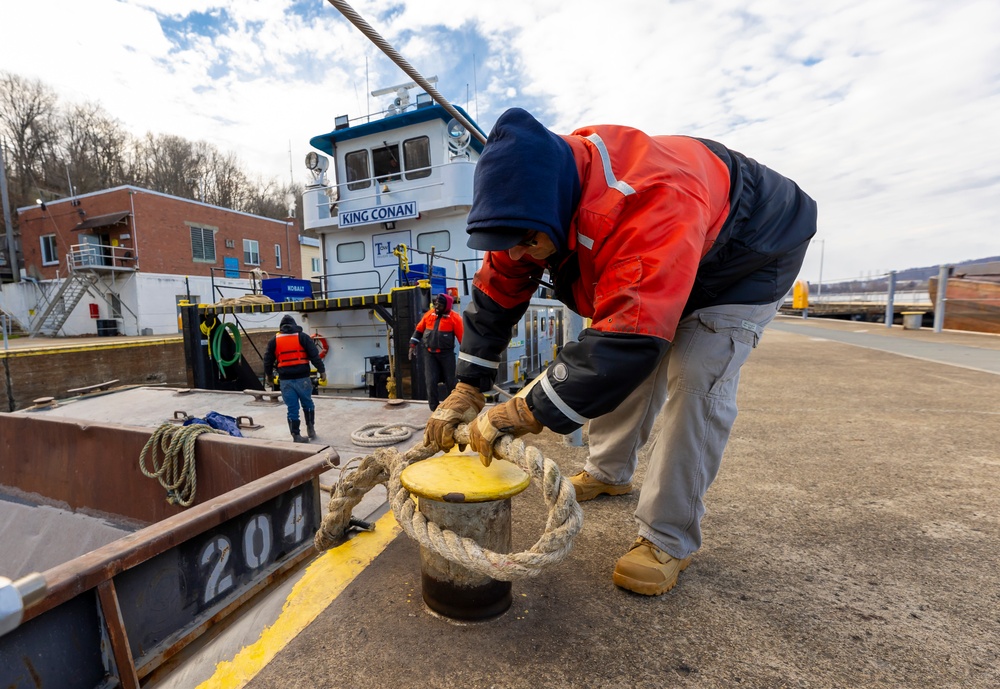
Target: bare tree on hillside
{"type": "Point", "coordinates": [28, 119]}
{"type": "Point", "coordinates": [170, 164]}
{"type": "Point", "coordinates": [51, 147]}
{"type": "Point", "coordinates": [223, 178]}
{"type": "Point", "coordinates": [96, 148]}
{"type": "Point", "coordinates": [269, 198]}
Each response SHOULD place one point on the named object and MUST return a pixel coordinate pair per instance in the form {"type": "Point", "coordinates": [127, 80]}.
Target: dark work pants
{"type": "Point", "coordinates": [439, 367]}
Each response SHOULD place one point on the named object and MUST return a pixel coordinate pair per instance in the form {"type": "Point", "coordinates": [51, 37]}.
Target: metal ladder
{"type": "Point", "coordinates": [59, 308]}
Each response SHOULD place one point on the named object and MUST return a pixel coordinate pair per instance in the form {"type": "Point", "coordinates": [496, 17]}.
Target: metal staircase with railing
{"type": "Point", "coordinates": [87, 263]}
{"type": "Point", "coordinates": [53, 316]}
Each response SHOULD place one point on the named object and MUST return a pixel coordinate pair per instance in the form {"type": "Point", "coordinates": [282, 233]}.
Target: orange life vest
{"type": "Point", "coordinates": [288, 350]}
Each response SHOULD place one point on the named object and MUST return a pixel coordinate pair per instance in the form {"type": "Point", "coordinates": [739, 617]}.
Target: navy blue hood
{"type": "Point", "coordinates": [526, 179]}
{"type": "Point", "coordinates": [288, 325]}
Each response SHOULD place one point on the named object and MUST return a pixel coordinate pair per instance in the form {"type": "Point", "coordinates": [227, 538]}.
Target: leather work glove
{"type": "Point", "coordinates": [322, 379]}
{"type": "Point", "coordinates": [413, 350]}
{"type": "Point", "coordinates": [510, 418]}
{"type": "Point", "coordinates": [461, 406]}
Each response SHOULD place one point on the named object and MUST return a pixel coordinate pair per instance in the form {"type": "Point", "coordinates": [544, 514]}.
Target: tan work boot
{"type": "Point", "coordinates": [648, 570]}
{"type": "Point", "coordinates": [588, 487]}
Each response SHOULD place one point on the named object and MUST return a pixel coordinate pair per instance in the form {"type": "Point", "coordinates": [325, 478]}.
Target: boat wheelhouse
{"type": "Point", "coordinates": [389, 202]}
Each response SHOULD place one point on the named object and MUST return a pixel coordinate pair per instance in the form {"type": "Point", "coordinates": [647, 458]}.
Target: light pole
{"type": "Point", "coordinates": [12, 262]}
{"type": "Point", "coordinates": [819, 287]}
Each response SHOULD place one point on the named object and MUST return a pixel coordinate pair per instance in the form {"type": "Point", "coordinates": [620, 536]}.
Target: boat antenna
{"type": "Point", "coordinates": [383, 45]}
{"type": "Point", "coordinates": [475, 84]}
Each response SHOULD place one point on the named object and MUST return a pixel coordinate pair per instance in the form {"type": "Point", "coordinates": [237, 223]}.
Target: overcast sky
{"type": "Point", "coordinates": [885, 111]}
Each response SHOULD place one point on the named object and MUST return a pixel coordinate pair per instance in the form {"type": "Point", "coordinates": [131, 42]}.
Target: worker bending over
{"type": "Point", "coordinates": [680, 251]}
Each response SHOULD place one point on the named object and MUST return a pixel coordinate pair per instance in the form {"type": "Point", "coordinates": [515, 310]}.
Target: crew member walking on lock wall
{"type": "Point", "coordinates": [437, 332]}
{"type": "Point", "coordinates": [293, 351]}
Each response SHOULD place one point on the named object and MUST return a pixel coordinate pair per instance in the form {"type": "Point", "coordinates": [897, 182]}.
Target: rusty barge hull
{"type": "Point", "coordinates": [113, 615]}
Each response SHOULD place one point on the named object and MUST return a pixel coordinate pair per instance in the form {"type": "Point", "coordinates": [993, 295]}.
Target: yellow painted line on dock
{"type": "Point", "coordinates": [322, 582]}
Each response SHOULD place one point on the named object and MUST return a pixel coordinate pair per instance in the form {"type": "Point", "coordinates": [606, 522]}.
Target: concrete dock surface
{"type": "Point", "coordinates": [851, 540]}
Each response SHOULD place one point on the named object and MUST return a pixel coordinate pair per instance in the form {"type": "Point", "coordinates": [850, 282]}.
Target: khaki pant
{"type": "Point", "coordinates": [697, 379]}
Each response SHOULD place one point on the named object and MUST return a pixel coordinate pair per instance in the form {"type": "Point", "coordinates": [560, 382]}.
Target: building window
{"type": "Point", "coordinates": [417, 157]}
{"type": "Point", "coordinates": [351, 252]}
{"type": "Point", "coordinates": [356, 163]}
{"type": "Point", "coordinates": [49, 256]}
{"type": "Point", "coordinates": [116, 305]}
{"type": "Point", "coordinates": [385, 161]}
{"type": "Point", "coordinates": [316, 267]}
{"type": "Point", "coordinates": [440, 241]}
{"type": "Point", "coordinates": [251, 252]}
{"type": "Point", "coordinates": [277, 255]}
{"type": "Point", "coordinates": [203, 244]}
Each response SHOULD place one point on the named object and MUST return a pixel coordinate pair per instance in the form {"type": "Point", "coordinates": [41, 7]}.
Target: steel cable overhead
{"type": "Point", "coordinates": [390, 52]}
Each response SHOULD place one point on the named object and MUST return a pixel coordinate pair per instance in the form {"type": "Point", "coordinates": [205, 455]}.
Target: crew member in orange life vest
{"type": "Point", "coordinates": [293, 351]}
{"type": "Point", "coordinates": [438, 330]}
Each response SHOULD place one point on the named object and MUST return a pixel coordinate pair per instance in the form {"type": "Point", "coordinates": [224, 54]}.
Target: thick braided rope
{"type": "Point", "coordinates": [381, 434]}
{"type": "Point", "coordinates": [565, 518]}
{"type": "Point", "coordinates": [178, 477]}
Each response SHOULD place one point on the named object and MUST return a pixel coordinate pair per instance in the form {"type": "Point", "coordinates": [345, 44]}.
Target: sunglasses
{"type": "Point", "coordinates": [529, 242]}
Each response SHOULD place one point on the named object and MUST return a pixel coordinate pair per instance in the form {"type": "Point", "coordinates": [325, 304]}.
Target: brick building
{"type": "Point", "coordinates": [126, 257]}
{"type": "Point", "coordinates": [132, 228]}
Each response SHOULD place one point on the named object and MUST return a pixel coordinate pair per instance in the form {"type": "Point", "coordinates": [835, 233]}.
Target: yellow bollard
{"type": "Point", "coordinates": [456, 492]}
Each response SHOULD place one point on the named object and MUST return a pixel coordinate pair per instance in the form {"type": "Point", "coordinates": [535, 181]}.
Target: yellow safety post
{"type": "Point", "coordinates": [800, 295]}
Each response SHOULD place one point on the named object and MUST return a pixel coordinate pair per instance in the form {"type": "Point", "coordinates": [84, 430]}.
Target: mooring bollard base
{"type": "Point", "coordinates": [459, 494]}
{"type": "Point", "coordinates": [471, 603]}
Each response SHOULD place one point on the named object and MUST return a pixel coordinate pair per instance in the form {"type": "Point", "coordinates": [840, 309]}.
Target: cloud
{"type": "Point", "coordinates": [883, 110]}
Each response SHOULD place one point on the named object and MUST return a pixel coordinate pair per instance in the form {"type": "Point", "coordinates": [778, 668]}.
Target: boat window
{"type": "Point", "coordinates": [358, 176]}
{"type": "Point", "coordinates": [417, 157]}
{"type": "Point", "coordinates": [349, 252]}
{"type": "Point", "coordinates": [441, 241]}
{"type": "Point", "coordinates": [386, 163]}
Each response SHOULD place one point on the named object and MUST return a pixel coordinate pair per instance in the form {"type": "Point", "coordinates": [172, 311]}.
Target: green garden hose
{"type": "Point", "coordinates": [217, 346]}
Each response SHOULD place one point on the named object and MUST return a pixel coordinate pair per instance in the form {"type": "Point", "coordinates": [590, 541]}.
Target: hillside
{"type": "Point", "coordinates": [908, 279]}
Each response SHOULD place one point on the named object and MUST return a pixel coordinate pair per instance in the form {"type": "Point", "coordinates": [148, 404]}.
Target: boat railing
{"type": "Point", "coordinates": [375, 286]}
{"type": "Point", "coordinates": [255, 277]}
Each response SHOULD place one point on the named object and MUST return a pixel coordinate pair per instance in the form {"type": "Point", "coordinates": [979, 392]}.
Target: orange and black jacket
{"type": "Point", "coordinates": [647, 229]}
{"type": "Point", "coordinates": [438, 333]}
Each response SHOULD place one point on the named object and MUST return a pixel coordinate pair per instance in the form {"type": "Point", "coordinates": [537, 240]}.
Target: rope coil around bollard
{"type": "Point", "coordinates": [385, 465]}
{"type": "Point", "coordinates": [178, 478]}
